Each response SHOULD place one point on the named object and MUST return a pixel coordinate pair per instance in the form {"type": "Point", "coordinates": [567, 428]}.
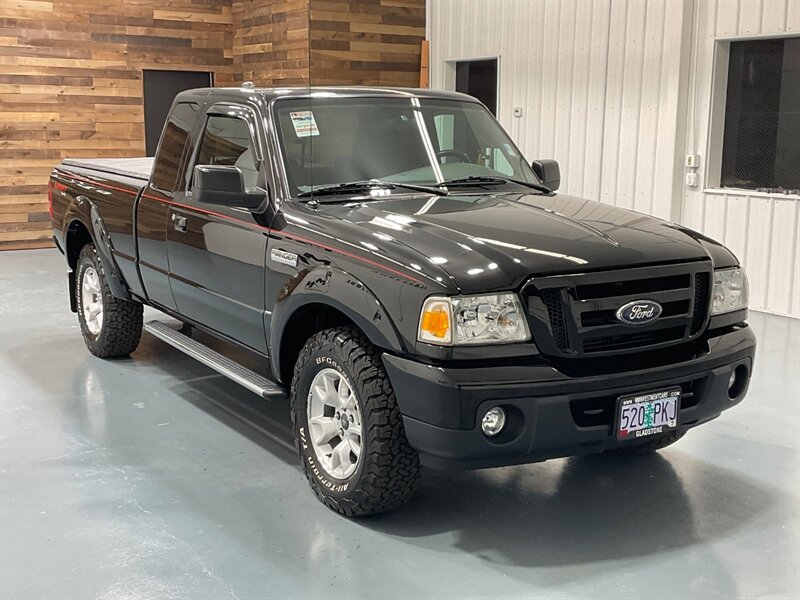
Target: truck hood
{"type": "Point", "coordinates": [496, 241]}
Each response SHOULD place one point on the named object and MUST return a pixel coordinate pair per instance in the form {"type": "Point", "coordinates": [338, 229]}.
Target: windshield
{"type": "Point", "coordinates": [330, 141]}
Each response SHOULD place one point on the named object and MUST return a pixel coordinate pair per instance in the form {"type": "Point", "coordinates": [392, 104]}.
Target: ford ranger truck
{"type": "Point", "coordinates": [416, 289]}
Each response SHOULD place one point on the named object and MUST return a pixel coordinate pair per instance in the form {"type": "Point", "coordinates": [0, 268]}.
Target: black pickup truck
{"type": "Point", "coordinates": [416, 290]}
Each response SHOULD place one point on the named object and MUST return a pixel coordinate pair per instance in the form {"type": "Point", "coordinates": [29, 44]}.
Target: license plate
{"type": "Point", "coordinates": [648, 414]}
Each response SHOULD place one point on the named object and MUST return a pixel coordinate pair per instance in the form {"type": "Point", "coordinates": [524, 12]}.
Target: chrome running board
{"type": "Point", "coordinates": [251, 380]}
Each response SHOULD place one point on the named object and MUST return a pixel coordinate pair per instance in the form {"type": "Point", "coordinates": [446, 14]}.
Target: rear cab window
{"type": "Point", "coordinates": [175, 148]}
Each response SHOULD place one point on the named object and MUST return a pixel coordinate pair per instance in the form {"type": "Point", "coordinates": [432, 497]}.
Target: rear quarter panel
{"type": "Point", "coordinates": [105, 206]}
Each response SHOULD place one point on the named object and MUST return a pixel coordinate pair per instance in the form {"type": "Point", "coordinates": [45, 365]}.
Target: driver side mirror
{"type": "Point", "coordinates": [223, 185]}
{"type": "Point", "coordinates": [548, 172]}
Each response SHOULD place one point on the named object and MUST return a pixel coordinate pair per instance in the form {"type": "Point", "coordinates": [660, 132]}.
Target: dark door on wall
{"type": "Point", "coordinates": [160, 89]}
{"type": "Point", "coordinates": [478, 78]}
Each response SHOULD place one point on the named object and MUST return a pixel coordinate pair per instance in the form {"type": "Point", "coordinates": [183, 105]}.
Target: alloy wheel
{"type": "Point", "coordinates": [92, 300]}
{"type": "Point", "coordinates": [334, 423]}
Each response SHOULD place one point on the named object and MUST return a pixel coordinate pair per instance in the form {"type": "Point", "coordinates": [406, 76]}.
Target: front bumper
{"type": "Point", "coordinates": [550, 413]}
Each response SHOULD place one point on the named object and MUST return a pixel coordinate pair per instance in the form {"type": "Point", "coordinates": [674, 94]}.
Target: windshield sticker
{"type": "Point", "coordinates": [304, 123]}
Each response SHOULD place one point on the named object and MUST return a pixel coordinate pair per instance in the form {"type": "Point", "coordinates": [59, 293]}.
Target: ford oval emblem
{"type": "Point", "coordinates": [639, 312]}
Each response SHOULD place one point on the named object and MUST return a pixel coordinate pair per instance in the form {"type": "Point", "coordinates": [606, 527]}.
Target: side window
{"type": "Point", "coordinates": [176, 147]}
{"type": "Point", "coordinates": [226, 141]}
{"type": "Point", "coordinates": [454, 133]}
{"type": "Point", "coordinates": [459, 133]}
{"type": "Point", "coordinates": [444, 131]}
{"type": "Point", "coordinates": [499, 162]}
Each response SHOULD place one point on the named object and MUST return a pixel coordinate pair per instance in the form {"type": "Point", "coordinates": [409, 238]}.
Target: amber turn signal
{"type": "Point", "coordinates": [435, 321]}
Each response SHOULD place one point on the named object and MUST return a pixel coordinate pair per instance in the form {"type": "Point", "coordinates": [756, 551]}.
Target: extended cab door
{"type": "Point", "coordinates": [216, 253]}
{"type": "Point", "coordinates": [167, 185]}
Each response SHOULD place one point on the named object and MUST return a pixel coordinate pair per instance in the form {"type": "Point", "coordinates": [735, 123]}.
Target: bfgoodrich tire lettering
{"type": "Point", "coordinates": [388, 469]}
{"type": "Point", "coordinates": [121, 326]}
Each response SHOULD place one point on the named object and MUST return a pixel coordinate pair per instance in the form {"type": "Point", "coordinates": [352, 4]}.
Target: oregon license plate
{"type": "Point", "coordinates": [648, 414]}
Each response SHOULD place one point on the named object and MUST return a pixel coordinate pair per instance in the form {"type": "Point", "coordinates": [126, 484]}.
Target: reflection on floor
{"type": "Point", "coordinates": [154, 477]}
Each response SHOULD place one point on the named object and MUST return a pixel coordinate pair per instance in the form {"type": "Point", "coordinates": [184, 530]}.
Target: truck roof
{"type": "Point", "coordinates": [272, 93]}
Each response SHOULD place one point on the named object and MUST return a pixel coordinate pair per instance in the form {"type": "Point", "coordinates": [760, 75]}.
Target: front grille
{"type": "Point", "coordinates": [633, 340]}
{"type": "Point", "coordinates": [702, 283]}
{"type": "Point", "coordinates": [606, 317]}
{"type": "Point", "coordinates": [633, 286]}
{"type": "Point", "coordinates": [575, 315]}
{"type": "Point", "coordinates": [555, 310]}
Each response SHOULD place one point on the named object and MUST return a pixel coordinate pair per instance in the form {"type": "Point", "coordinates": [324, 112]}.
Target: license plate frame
{"type": "Point", "coordinates": [649, 421]}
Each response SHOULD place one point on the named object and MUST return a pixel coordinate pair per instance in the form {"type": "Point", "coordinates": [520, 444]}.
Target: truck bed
{"type": "Point", "coordinates": [135, 168]}
{"type": "Point", "coordinates": [113, 187]}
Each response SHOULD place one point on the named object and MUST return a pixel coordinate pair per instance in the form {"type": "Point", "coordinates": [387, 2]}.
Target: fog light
{"type": "Point", "coordinates": [493, 421]}
{"type": "Point", "coordinates": [737, 382]}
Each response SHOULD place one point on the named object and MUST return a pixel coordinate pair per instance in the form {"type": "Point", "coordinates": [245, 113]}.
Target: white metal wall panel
{"type": "Point", "coordinates": [596, 79]}
{"type": "Point", "coordinates": [605, 92]}
{"type": "Point", "coordinates": [762, 229]}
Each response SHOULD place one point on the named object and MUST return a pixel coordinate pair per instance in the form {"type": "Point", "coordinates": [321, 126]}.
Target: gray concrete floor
{"type": "Point", "coordinates": [152, 477]}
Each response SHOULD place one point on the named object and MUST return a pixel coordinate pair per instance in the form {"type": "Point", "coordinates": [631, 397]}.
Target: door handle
{"type": "Point", "coordinates": [178, 223]}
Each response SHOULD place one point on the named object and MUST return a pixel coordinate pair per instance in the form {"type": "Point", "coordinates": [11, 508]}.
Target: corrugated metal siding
{"type": "Point", "coordinates": [609, 89]}
{"type": "Point", "coordinates": [762, 229]}
{"type": "Point", "coordinates": [597, 81]}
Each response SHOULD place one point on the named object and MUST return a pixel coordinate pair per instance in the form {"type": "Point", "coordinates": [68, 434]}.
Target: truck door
{"type": "Point", "coordinates": [167, 185]}
{"type": "Point", "coordinates": [216, 253]}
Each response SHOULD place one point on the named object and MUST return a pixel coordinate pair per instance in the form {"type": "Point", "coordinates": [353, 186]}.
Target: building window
{"type": "Point", "coordinates": [761, 143]}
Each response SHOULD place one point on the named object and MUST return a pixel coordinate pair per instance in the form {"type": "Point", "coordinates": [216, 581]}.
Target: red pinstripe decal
{"type": "Point", "coordinates": [350, 254]}
{"type": "Point", "coordinates": [252, 225]}
{"type": "Point", "coordinates": [103, 185]}
{"type": "Point", "coordinates": [206, 212]}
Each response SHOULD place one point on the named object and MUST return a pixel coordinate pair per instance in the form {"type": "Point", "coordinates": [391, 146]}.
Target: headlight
{"type": "Point", "coordinates": [462, 320]}
{"type": "Point", "coordinates": [730, 291]}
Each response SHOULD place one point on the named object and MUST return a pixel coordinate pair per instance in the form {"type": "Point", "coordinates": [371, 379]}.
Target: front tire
{"type": "Point", "coordinates": [110, 326]}
{"type": "Point", "coordinates": [348, 428]}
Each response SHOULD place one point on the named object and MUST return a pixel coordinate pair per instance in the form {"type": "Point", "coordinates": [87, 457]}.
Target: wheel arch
{"type": "Point", "coordinates": [76, 236]}
{"type": "Point", "coordinates": [326, 298]}
{"type": "Point", "coordinates": [84, 225]}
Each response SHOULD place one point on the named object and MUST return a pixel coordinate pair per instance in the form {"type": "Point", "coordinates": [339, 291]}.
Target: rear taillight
{"type": "Point", "coordinates": [50, 198]}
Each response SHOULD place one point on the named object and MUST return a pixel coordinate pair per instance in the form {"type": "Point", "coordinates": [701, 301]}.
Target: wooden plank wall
{"type": "Point", "coordinates": [366, 42]}
{"type": "Point", "coordinates": [71, 72]}
{"type": "Point", "coordinates": [270, 42]}
{"type": "Point", "coordinates": [71, 86]}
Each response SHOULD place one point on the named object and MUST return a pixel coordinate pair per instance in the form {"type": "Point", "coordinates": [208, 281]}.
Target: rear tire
{"type": "Point", "coordinates": [110, 326]}
{"type": "Point", "coordinates": [352, 402]}
{"type": "Point", "coordinates": [649, 446]}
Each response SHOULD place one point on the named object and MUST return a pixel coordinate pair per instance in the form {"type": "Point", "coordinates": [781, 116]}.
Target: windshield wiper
{"type": "Point", "coordinates": [370, 184]}
{"type": "Point", "coordinates": [479, 180]}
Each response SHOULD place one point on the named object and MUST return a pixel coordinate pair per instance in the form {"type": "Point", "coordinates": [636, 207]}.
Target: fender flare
{"type": "Point", "coordinates": [82, 210]}
{"type": "Point", "coordinates": [340, 290]}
